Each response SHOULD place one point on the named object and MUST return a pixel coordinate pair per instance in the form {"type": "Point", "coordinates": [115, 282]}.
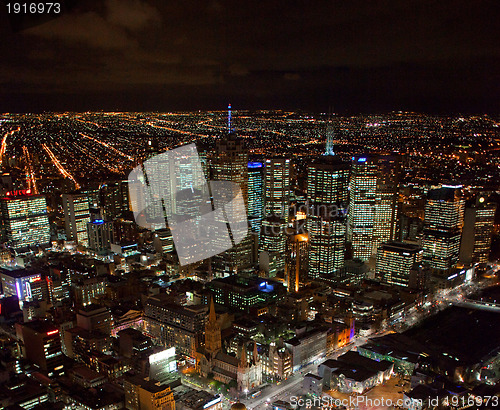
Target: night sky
{"type": "Point", "coordinates": [349, 56]}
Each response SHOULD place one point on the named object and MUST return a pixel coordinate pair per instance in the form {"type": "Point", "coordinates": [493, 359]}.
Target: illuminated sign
{"type": "Point", "coordinates": [52, 332]}
{"type": "Point", "coordinates": [452, 276]}
{"type": "Point", "coordinates": [19, 192]}
{"type": "Point", "coordinates": [35, 278]}
{"type": "Point", "coordinates": [211, 403]}
{"type": "Point", "coordinates": [163, 355]}
{"type": "Point", "coordinates": [361, 159]}
{"type": "Point", "coordinates": [255, 165]}
{"type": "Point", "coordinates": [99, 221]}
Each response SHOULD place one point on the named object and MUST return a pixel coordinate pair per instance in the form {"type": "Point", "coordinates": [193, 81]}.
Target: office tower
{"type": "Point", "coordinates": [42, 346]}
{"type": "Point", "coordinates": [230, 163]}
{"type": "Point", "coordinates": [76, 217]}
{"type": "Point", "coordinates": [386, 201]}
{"type": "Point", "coordinates": [442, 228]}
{"type": "Point", "coordinates": [277, 187]}
{"type": "Point", "coordinates": [362, 200]}
{"type": "Point", "coordinates": [273, 239]}
{"type": "Point", "coordinates": [114, 198]}
{"type": "Point", "coordinates": [94, 317]}
{"type": "Point", "coordinates": [478, 229]}
{"type": "Point", "coordinates": [327, 195]}
{"type": "Point", "coordinates": [296, 259]}
{"type": "Point", "coordinates": [400, 264]}
{"type": "Point", "coordinates": [100, 236]}
{"type": "Point", "coordinates": [24, 220]}
{"type": "Point", "coordinates": [255, 195]}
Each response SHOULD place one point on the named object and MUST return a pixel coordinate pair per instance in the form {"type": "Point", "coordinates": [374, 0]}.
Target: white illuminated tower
{"type": "Point", "coordinates": [277, 187]}
{"type": "Point", "coordinates": [362, 200]}
{"type": "Point", "coordinates": [327, 195]}
{"type": "Point", "coordinates": [444, 212]}
{"type": "Point", "coordinates": [386, 202]}
{"type": "Point", "coordinates": [76, 216]}
{"type": "Point", "coordinates": [24, 220]}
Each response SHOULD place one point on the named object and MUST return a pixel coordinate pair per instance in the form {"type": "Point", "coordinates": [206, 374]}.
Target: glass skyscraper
{"type": "Point", "coordinates": [255, 195]}
{"type": "Point", "coordinates": [327, 195]}
{"type": "Point", "coordinates": [443, 222]}
{"type": "Point", "coordinates": [24, 221]}
{"type": "Point", "coordinates": [362, 200]}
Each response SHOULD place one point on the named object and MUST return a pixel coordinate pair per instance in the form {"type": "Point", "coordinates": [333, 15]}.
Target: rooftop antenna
{"type": "Point", "coordinates": [329, 135]}
{"type": "Point", "coordinates": [229, 118]}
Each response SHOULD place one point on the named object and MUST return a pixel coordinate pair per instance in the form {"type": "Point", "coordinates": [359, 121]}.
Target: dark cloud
{"type": "Point", "coordinates": [357, 55]}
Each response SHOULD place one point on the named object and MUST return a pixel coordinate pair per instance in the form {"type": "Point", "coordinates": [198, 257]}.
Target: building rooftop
{"type": "Point", "coordinates": [454, 330]}
{"type": "Point", "coordinates": [41, 326]}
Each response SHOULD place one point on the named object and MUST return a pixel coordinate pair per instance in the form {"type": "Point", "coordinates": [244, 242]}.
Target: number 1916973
{"type": "Point", "coordinates": [33, 8]}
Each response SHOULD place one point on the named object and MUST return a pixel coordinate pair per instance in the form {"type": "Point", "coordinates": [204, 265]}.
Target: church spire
{"type": "Point", "coordinates": [212, 317]}
{"type": "Point", "coordinates": [255, 353]}
{"type": "Point", "coordinates": [243, 358]}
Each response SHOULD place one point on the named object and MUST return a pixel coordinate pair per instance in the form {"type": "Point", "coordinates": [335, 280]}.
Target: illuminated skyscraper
{"type": "Point", "coordinates": [230, 163]}
{"type": "Point", "coordinates": [327, 195]}
{"type": "Point", "coordinates": [442, 228]}
{"type": "Point", "coordinates": [386, 202]}
{"type": "Point", "coordinates": [400, 264]}
{"type": "Point", "coordinates": [255, 195]}
{"type": "Point", "coordinates": [76, 217]}
{"type": "Point", "coordinates": [100, 236]}
{"type": "Point", "coordinates": [363, 196]}
{"type": "Point", "coordinates": [114, 198]}
{"type": "Point", "coordinates": [24, 220]}
{"type": "Point", "coordinates": [273, 240]}
{"type": "Point", "coordinates": [478, 229]}
{"type": "Point", "coordinates": [277, 187]}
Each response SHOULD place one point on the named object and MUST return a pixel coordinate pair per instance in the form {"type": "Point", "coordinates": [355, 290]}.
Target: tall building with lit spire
{"type": "Point", "coordinates": [230, 163]}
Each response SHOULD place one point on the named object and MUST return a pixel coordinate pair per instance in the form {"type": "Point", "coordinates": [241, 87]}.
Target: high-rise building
{"type": "Point", "coordinates": [255, 195]}
{"type": "Point", "coordinates": [386, 202]}
{"type": "Point", "coordinates": [24, 220]}
{"type": "Point", "coordinates": [76, 217]}
{"type": "Point", "coordinates": [400, 264]}
{"type": "Point", "coordinates": [230, 163]}
{"type": "Point", "coordinates": [362, 201]}
{"type": "Point", "coordinates": [115, 198]}
{"type": "Point", "coordinates": [273, 239]}
{"type": "Point", "coordinates": [327, 195]}
{"type": "Point", "coordinates": [296, 259]}
{"type": "Point", "coordinates": [100, 235]}
{"type": "Point", "coordinates": [478, 229]}
{"type": "Point", "coordinates": [277, 187]}
{"type": "Point", "coordinates": [442, 228]}
{"type": "Point", "coordinates": [42, 346]}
